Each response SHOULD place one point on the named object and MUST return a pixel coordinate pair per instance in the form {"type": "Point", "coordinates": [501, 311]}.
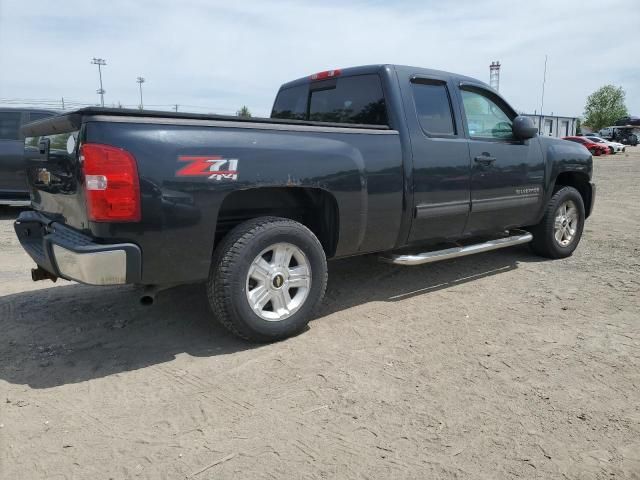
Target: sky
{"type": "Point", "coordinates": [216, 56]}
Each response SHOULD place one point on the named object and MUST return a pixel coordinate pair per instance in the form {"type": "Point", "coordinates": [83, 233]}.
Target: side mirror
{"type": "Point", "coordinates": [523, 128]}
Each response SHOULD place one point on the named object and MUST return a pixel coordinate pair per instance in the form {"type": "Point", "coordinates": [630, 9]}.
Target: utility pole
{"type": "Point", "coordinates": [140, 81]}
{"type": "Point", "coordinates": [100, 62]}
{"type": "Point", "coordinates": [63, 103]}
{"type": "Point", "coordinates": [176, 106]}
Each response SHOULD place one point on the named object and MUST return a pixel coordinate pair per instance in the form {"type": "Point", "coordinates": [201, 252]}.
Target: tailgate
{"type": "Point", "coordinates": [53, 168]}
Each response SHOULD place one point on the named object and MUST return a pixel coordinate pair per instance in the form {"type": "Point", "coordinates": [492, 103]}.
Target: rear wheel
{"type": "Point", "coordinates": [559, 232]}
{"type": "Point", "coordinates": [267, 277]}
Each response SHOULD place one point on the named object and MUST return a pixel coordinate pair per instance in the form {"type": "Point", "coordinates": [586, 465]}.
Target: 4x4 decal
{"type": "Point", "coordinates": [212, 166]}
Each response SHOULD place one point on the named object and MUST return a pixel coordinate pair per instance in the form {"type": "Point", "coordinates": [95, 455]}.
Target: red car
{"type": "Point", "coordinates": [596, 149]}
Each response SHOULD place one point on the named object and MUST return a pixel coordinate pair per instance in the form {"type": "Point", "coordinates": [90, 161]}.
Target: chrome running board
{"type": "Point", "coordinates": [517, 237]}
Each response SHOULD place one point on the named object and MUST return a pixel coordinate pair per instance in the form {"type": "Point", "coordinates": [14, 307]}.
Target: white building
{"type": "Point", "coordinates": [553, 125]}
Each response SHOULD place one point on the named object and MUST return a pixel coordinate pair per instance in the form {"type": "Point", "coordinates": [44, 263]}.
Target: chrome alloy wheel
{"type": "Point", "coordinates": [566, 223]}
{"type": "Point", "coordinates": [278, 282]}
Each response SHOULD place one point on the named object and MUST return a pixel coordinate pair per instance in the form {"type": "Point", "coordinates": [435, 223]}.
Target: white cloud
{"type": "Point", "coordinates": [220, 55]}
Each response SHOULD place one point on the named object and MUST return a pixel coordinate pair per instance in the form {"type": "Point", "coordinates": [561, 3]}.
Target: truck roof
{"type": "Point", "coordinates": [377, 68]}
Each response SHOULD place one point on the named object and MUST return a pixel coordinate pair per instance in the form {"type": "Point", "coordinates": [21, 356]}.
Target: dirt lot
{"type": "Point", "coordinates": [502, 365]}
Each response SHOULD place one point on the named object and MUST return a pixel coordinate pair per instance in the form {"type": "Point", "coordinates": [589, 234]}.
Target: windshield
{"type": "Point", "coordinates": [596, 139]}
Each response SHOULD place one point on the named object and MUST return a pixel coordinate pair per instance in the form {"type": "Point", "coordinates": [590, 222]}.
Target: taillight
{"type": "Point", "coordinates": [326, 74]}
{"type": "Point", "coordinates": [111, 183]}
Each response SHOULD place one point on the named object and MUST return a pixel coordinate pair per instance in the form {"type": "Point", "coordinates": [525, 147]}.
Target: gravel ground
{"type": "Point", "coordinates": [501, 365]}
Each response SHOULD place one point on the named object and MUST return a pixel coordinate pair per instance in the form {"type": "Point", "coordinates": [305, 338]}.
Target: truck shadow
{"type": "Point", "coordinates": [73, 333]}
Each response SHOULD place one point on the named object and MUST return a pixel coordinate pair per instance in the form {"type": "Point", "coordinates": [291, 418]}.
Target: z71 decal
{"type": "Point", "coordinates": [212, 166]}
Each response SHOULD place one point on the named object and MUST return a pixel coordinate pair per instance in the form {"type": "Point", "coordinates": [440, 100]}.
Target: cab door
{"type": "Point", "coordinates": [441, 165]}
{"type": "Point", "coordinates": [507, 174]}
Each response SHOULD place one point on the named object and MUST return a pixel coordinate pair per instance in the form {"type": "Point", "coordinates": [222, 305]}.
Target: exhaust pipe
{"type": "Point", "coordinates": [150, 292]}
{"type": "Point", "coordinates": [40, 273]}
{"type": "Point", "coordinates": [149, 295]}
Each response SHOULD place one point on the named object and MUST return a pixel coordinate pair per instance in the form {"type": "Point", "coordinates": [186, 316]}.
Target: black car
{"type": "Point", "coordinates": [13, 182]}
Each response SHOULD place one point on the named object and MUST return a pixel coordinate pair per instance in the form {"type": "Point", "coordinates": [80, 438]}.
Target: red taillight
{"type": "Point", "coordinates": [326, 74]}
{"type": "Point", "coordinates": [111, 183]}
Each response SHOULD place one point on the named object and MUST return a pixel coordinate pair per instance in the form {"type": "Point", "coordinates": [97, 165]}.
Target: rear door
{"type": "Point", "coordinates": [507, 174]}
{"type": "Point", "coordinates": [441, 166]}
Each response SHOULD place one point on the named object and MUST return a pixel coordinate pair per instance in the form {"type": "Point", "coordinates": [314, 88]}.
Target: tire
{"type": "Point", "coordinates": [250, 263]}
{"type": "Point", "coordinates": [594, 152]}
{"type": "Point", "coordinates": [545, 239]}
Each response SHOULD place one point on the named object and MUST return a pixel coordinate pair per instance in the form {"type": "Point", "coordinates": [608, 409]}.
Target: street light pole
{"type": "Point", "coordinates": [140, 81]}
{"type": "Point", "coordinates": [100, 62]}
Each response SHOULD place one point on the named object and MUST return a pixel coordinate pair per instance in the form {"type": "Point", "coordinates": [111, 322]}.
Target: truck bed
{"type": "Point", "coordinates": [68, 121]}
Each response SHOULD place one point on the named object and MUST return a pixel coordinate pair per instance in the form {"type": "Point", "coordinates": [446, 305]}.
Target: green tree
{"type": "Point", "coordinates": [604, 107]}
{"type": "Point", "coordinates": [244, 112]}
{"type": "Point", "coordinates": [578, 126]}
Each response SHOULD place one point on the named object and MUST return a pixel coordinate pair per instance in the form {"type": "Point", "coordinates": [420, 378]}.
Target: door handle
{"type": "Point", "coordinates": [484, 159]}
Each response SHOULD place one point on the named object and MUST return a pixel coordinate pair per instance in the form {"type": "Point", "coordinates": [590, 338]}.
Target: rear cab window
{"type": "Point", "coordinates": [357, 99]}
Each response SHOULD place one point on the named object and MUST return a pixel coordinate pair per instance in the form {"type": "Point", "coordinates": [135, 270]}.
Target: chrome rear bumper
{"type": "Point", "coordinates": [69, 254]}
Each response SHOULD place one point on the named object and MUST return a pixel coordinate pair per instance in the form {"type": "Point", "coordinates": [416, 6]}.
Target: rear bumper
{"type": "Point", "coordinates": [69, 254]}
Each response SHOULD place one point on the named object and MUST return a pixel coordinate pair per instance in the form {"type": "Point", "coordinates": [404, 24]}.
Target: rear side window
{"type": "Point", "coordinates": [356, 99]}
{"type": "Point", "coordinates": [10, 125]}
{"type": "Point", "coordinates": [433, 107]}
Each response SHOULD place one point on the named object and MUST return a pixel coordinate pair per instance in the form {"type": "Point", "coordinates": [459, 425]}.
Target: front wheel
{"type": "Point", "coordinates": [267, 276]}
{"type": "Point", "coordinates": [560, 230]}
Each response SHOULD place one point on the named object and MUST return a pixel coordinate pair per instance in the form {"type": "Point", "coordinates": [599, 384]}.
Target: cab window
{"type": "Point", "coordinates": [485, 117]}
{"type": "Point", "coordinates": [353, 99]}
{"type": "Point", "coordinates": [356, 99]}
{"type": "Point", "coordinates": [433, 107]}
{"type": "Point", "coordinates": [10, 125]}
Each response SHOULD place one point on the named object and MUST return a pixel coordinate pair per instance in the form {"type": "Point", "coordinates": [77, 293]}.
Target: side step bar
{"type": "Point", "coordinates": [517, 237]}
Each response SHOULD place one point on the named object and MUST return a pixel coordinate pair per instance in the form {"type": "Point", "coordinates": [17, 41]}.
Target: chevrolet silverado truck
{"type": "Point", "coordinates": [417, 165]}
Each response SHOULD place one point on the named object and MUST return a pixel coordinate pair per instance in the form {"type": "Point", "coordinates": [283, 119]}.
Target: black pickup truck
{"type": "Point", "coordinates": [419, 165]}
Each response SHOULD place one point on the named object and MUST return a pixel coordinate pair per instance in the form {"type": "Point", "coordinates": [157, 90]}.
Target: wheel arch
{"type": "Point", "coordinates": [579, 181]}
{"type": "Point", "coordinates": [315, 208]}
